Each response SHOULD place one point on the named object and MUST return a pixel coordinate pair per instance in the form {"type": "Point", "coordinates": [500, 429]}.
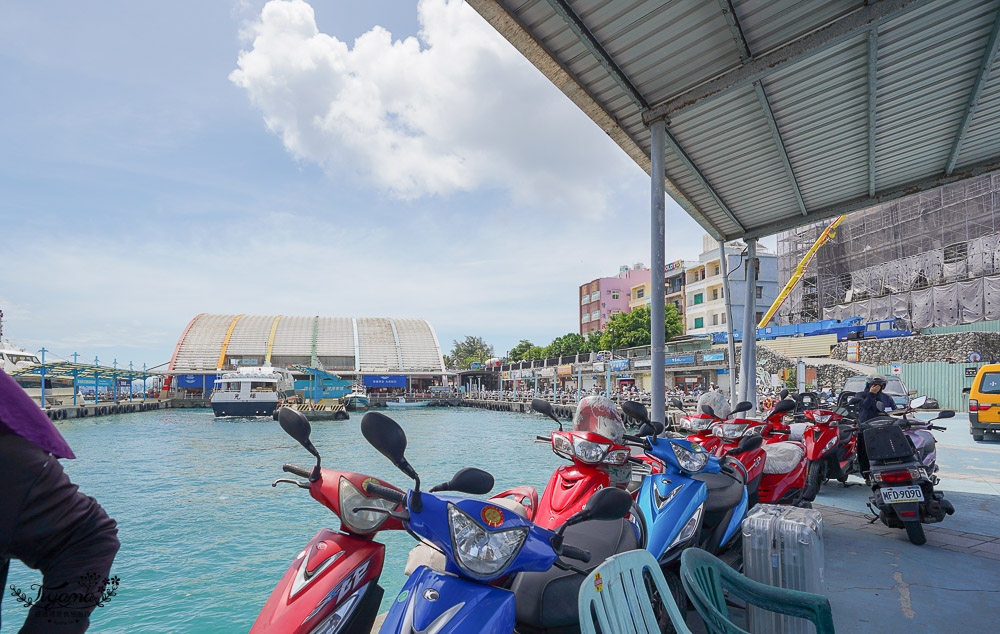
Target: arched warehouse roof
{"type": "Point", "coordinates": [348, 344]}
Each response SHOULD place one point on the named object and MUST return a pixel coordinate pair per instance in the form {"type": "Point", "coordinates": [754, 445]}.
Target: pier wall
{"type": "Point", "coordinates": [67, 412]}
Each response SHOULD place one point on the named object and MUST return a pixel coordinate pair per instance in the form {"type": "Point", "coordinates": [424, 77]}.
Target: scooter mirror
{"type": "Point", "coordinates": [918, 402]}
{"type": "Point", "coordinates": [707, 409]}
{"type": "Point", "coordinates": [856, 400]}
{"type": "Point", "coordinates": [297, 426]}
{"type": "Point", "coordinates": [783, 393]}
{"type": "Point", "coordinates": [541, 406]}
{"type": "Point", "coordinates": [607, 504]}
{"type": "Point", "coordinates": [946, 413]}
{"type": "Point", "coordinates": [469, 480]}
{"type": "Point", "coordinates": [636, 411]}
{"type": "Point", "coordinates": [745, 406]}
{"type": "Point", "coordinates": [388, 438]}
{"type": "Point", "coordinates": [676, 402]}
{"type": "Point", "coordinates": [747, 443]}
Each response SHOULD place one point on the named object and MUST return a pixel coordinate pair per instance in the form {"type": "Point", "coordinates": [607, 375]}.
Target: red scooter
{"type": "Point", "coordinates": [776, 472]}
{"type": "Point", "coordinates": [572, 485]}
{"type": "Point", "coordinates": [332, 586]}
{"type": "Point", "coordinates": [832, 451]}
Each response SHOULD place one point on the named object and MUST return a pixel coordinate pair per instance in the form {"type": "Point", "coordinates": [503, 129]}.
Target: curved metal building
{"type": "Point", "coordinates": [347, 345]}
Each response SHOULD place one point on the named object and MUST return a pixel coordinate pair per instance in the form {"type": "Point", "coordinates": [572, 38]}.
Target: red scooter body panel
{"type": "Point", "coordinates": [326, 491]}
{"type": "Point", "coordinates": [567, 492]}
{"type": "Point", "coordinates": [817, 438]}
{"type": "Point", "coordinates": [709, 441]}
{"type": "Point", "coordinates": [524, 495]}
{"type": "Point", "coordinates": [330, 568]}
{"type": "Point", "coordinates": [779, 488]}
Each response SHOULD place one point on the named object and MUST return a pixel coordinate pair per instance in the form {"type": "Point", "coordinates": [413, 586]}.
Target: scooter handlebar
{"type": "Point", "coordinates": [385, 492]}
{"type": "Point", "coordinates": [574, 553]}
{"type": "Point", "coordinates": [302, 472]}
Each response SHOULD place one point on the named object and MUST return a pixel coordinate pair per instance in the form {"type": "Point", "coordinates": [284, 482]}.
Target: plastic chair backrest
{"type": "Point", "coordinates": [704, 578]}
{"type": "Point", "coordinates": [615, 597]}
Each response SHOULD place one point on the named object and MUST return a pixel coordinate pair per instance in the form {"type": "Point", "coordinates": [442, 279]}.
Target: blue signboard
{"type": "Point", "coordinates": [677, 360]}
{"type": "Point", "coordinates": [385, 381]}
{"type": "Point", "coordinates": [196, 380]}
{"type": "Point", "coordinates": [621, 364]}
{"type": "Point", "coordinates": [722, 371]}
{"type": "Point", "coordinates": [475, 365]}
{"type": "Point", "coordinates": [714, 356]}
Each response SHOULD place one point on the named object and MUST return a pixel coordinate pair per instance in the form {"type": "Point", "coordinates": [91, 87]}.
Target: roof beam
{"type": "Point", "coordinates": [872, 89]}
{"type": "Point", "coordinates": [755, 69]}
{"type": "Point", "coordinates": [734, 28]}
{"type": "Point", "coordinates": [583, 34]}
{"type": "Point", "coordinates": [762, 97]}
{"type": "Point", "coordinates": [985, 68]}
{"type": "Point", "coordinates": [901, 191]}
{"type": "Point", "coordinates": [691, 167]}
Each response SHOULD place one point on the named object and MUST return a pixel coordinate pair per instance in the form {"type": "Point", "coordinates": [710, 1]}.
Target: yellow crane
{"type": "Point", "coordinates": [799, 271]}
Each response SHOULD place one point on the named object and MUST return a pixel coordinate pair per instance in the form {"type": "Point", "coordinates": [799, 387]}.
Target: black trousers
{"type": "Point", "coordinates": [50, 526]}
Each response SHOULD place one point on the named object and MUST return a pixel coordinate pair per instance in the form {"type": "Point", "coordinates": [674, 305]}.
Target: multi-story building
{"type": "Point", "coordinates": [673, 289]}
{"type": "Point", "coordinates": [705, 309]}
{"type": "Point", "coordinates": [607, 296]}
{"type": "Point", "coordinates": [932, 259]}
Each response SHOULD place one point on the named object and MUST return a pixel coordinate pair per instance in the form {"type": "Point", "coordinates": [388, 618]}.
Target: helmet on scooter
{"type": "Point", "coordinates": [598, 414]}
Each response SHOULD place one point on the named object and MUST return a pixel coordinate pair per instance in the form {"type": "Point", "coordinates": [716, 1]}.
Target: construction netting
{"type": "Point", "coordinates": [932, 259]}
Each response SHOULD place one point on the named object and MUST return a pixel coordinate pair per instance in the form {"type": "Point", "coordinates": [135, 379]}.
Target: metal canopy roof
{"type": "Point", "coordinates": [783, 112]}
{"type": "Point", "coordinates": [65, 369]}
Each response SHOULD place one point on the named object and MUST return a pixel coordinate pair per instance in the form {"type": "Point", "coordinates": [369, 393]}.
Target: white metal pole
{"type": "Point", "coordinates": [657, 238]}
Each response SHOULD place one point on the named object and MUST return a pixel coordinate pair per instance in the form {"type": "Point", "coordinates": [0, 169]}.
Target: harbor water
{"type": "Point", "coordinates": [205, 537]}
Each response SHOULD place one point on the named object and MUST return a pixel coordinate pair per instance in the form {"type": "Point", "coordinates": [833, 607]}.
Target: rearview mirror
{"type": "Point", "coordinates": [297, 426]}
{"type": "Point", "coordinates": [747, 443]}
{"type": "Point", "coordinates": [388, 438]}
{"type": "Point", "coordinates": [966, 390]}
{"type": "Point", "coordinates": [469, 480]}
{"type": "Point", "coordinates": [783, 393]}
{"type": "Point", "coordinates": [636, 411]}
{"type": "Point", "coordinates": [707, 409]}
{"type": "Point", "coordinates": [676, 402]}
{"type": "Point", "coordinates": [946, 413]}
{"type": "Point", "coordinates": [855, 400]}
{"type": "Point", "coordinates": [607, 504]}
{"type": "Point", "coordinates": [745, 406]}
{"type": "Point", "coordinates": [544, 407]}
{"type": "Point", "coordinates": [918, 402]}
{"type": "Point", "coordinates": [784, 406]}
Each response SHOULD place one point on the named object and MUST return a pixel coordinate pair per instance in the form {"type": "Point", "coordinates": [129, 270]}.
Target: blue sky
{"type": "Point", "coordinates": [376, 158]}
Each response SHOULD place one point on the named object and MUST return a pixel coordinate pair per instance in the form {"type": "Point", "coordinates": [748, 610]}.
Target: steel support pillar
{"type": "Point", "coordinates": [657, 238]}
{"type": "Point", "coordinates": [748, 365]}
{"type": "Point", "coordinates": [724, 267]}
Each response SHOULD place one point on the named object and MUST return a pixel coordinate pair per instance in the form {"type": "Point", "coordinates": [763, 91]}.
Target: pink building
{"type": "Point", "coordinates": [606, 296]}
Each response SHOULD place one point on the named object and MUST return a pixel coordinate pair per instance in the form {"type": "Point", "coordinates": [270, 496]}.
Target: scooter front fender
{"type": "Point", "coordinates": [432, 601]}
{"type": "Point", "coordinates": [667, 502]}
{"type": "Point", "coordinates": [817, 439]}
{"type": "Point", "coordinates": [567, 492]}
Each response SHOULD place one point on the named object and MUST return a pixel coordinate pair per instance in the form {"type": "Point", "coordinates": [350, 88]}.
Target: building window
{"type": "Point", "coordinates": [716, 270]}
{"type": "Point", "coordinates": [715, 294]}
{"type": "Point", "coordinates": [758, 317]}
{"type": "Point", "coordinates": [699, 322]}
{"type": "Point", "coordinates": [760, 292]}
{"type": "Point", "coordinates": [615, 294]}
{"type": "Point", "coordinates": [699, 298]}
{"type": "Point", "coordinates": [723, 319]}
{"type": "Point", "coordinates": [639, 294]}
{"type": "Point", "coordinates": [585, 300]}
{"type": "Point", "coordinates": [715, 319]}
{"type": "Point", "coordinates": [594, 316]}
{"type": "Point", "coordinates": [677, 305]}
{"type": "Point", "coordinates": [956, 252]}
{"type": "Point", "coordinates": [586, 318]}
{"type": "Point", "coordinates": [595, 296]}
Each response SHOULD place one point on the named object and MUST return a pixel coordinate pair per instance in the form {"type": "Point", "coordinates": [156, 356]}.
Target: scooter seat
{"type": "Point", "coordinates": [548, 599]}
{"type": "Point", "coordinates": [724, 491]}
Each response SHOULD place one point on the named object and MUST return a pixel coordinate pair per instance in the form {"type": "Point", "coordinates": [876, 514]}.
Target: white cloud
{"type": "Point", "coordinates": [458, 110]}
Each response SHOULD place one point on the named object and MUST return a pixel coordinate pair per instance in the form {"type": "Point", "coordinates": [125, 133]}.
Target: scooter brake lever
{"type": "Point", "coordinates": [298, 483]}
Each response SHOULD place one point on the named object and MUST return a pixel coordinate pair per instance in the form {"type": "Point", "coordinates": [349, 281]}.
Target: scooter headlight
{"type": "Point", "coordinates": [756, 430]}
{"type": "Point", "coordinates": [616, 457]}
{"type": "Point", "coordinates": [689, 528]}
{"type": "Point", "coordinates": [361, 522]}
{"type": "Point", "coordinates": [690, 461]}
{"type": "Point", "coordinates": [562, 445]}
{"type": "Point", "coordinates": [822, 418]}
{"type": "Point", "coordinates": [588, 451]}
{"type": "Point", "coordinates": [482, 553]}
{"type": "Point", "coordinates": [830, 444]}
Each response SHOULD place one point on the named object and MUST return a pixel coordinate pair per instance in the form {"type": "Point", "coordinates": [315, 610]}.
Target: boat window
{"type": "Point", "coordinates": [262, 386]}
{"type": "Point", "coordinates": [17, 358]}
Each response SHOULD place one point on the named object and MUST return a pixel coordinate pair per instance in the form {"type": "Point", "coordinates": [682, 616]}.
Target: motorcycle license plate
{"type": "Point", "coordinates": [892, 495]}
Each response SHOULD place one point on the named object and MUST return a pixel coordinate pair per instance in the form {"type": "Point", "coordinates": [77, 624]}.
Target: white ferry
{"type": "Point", "coordinates": [13, 359]}
{"type": "Point", "coordinates": [357, 399]}
{"type": "Point", "coordinates": [250, 391]}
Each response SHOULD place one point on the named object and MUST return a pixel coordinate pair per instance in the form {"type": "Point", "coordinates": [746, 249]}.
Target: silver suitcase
{"type": "Point", "coordinates": [783, 547]}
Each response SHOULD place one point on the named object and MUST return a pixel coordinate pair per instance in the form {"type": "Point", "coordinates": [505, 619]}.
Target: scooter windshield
{"type": "Point", "coordinates": [599, 415]}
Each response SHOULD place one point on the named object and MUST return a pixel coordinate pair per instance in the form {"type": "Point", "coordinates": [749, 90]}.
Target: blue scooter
{"type": "Point", "coordinates": [485, 546]}
{"type": "Point", "coordinates": [698, 501]}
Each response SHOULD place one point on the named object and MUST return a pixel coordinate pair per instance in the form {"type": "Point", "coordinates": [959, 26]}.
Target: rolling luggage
{"type": "Point", "coordinates": [783, 547]}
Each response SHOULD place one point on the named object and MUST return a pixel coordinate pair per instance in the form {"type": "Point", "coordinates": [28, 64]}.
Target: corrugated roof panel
{"type": "Point", "coordinates": [199, 350]}
{"type": "Point", "coordinates": [927, 64]}
{"type": "Point", "coordinates": [768, 25]}
{"type": "Point", "coordinates": [825, 131]}
{"type": "Point", "coordinates": [335, 337]}
{"type": "Point", "coordinates": [982, 139]}
{"type": "Point", "coordinates": [293, 336]}
{"type": "Point", "coordinates": [250, 336]}
{"type": "Point", "coordinates": [377, 345]}
{"type": "Point", "coordinates": [735, 149]}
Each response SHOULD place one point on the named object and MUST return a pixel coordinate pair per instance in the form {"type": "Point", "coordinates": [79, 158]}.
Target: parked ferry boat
{"type": "Point", "coordinates": [250, 392]}
{"type": "Point", "coordinates": [357, 399]}
{"type": "Point", "coordinates": [13, 359]}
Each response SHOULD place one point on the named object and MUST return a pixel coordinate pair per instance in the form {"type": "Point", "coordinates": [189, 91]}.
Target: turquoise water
{"type": "Point", "coordinates": [204, 535]}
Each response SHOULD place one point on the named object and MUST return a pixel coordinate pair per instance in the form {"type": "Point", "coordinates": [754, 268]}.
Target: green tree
{"type": "Point", "coordinates": [568, 345]}
{"type": "Point", "coordinates": [627, 330]}
{"type": "Point", "coordinates": [470, 350]}
{"type": "Point", "coordinates": [518, 352]}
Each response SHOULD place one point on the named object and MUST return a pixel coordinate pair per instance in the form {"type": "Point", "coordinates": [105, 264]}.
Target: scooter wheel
{"type": "Point", "coordinates": [915, 531]}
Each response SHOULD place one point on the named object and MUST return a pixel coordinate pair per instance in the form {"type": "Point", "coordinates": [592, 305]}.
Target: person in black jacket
{"type": "Point", "coordinates": [875, 400]}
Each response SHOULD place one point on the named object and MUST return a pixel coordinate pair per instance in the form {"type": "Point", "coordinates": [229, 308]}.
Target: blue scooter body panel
{"type": "Point", "coordinates": [737, 520]}
{"type": "Point", "coordinates": [680, 497]}
{"type": "Point", "coordinates": [458, 605]}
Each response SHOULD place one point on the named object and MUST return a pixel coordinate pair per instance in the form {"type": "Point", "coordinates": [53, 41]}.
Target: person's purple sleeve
{"type": "Point", "coordinates": [21, 416]}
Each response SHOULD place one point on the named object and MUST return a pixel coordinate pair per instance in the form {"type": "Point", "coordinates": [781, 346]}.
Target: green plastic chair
{"type": "Point", "coordinates": [704, 578]}
{"type": "Point", "coordinates": [615, 595]}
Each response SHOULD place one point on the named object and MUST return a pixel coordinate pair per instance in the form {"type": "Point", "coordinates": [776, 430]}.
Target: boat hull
{"type": "Point", "coordinates": [397, 405]}
{"type": "Point", "coordinates": [356, 403]}
{"type": "Point", "coordinates": [244, 408]}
